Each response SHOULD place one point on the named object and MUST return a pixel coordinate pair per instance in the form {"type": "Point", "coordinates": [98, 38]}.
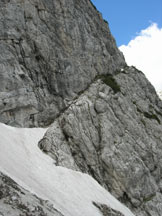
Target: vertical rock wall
{"type": "Point", "coordinates": [49, 52]}
{"type": "Point", "coordinates": [113, 132]}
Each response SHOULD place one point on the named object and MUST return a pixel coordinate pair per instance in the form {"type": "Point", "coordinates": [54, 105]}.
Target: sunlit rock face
{"type": "Point", "coordinates": [50, 51]}
{"type": "Point", "coordinates": [50, 190]}
{"type": "Point", "coordinates": [59, 66]}
{"type": "Point", "coordinates": [113, 132]}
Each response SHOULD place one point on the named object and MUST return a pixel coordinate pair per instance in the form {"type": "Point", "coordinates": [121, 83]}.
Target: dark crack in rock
{"type": "Point", "coordinates": [50, 51]}
{"type": "Point", "coordinates": [108, 135]}
{"type": "Point", "coordinates": [59, 64]}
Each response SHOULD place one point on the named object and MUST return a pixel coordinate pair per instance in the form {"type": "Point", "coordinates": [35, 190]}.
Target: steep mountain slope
{"type": "Point", "coordinates": [113, 132]}
{"type": "Point", "coordinates": [50, 51]}
{"type": "Point", "coordinates": [14, 200]}
{"type": "Point", "coordinates": [59, 65]}
{"type": "Point", "coordinates": [71, 193]}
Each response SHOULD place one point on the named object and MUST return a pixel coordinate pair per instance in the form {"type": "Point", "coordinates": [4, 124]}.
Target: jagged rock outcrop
{"type": "Point", "coordinates": [59, 64]}
{"type": "Point", "coordinates": [113, 132]}
{"type": "Point", "coordinates": [107, 211]}
{"type": "Point", "coordinates": [50, 51]}
{"type": "Point", "coordinates": [69, 192]}
{"type": "Point", "coordinates": [14, 200]}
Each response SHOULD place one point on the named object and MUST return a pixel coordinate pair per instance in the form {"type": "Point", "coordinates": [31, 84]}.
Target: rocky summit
{"type": "Point", "coordinates": [60, 68]}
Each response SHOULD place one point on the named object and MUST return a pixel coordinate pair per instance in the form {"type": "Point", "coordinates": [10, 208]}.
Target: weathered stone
{"type": "Point", "coordinates": [107, 211]}
{"type": "Point", "coordinates": [50, 51]}
{"type": "Point", "coordinates": [59, 62]}
{"type": "Point", "coordinates": [14, 200]}
{"type": "Point", "coordinates": [115, 137]}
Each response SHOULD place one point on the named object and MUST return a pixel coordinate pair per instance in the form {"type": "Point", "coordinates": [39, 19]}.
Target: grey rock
{"type": "Point", "coordinates": [115, 136]}
{"type": "Point", "coordinates": [15, 201]}
{"type": "Point", "coordinates": [50, 52]}
{"type": "Point", "coordinates": [59, 64]}
{"type": "Point", "coordinates": [106, 210]}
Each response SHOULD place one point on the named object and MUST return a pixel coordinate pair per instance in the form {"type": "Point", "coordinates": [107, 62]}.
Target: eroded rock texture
{"type": "Point", "coordinates": [113, 132]}
{"type": "Point", "coordinates": [59, 62]}
{"type": "Point", "coordinates": [14, 200]}
{"type": "Point", "coordinates": [49, 52]}
{"type": "Point", "coordinates": [107, 211]}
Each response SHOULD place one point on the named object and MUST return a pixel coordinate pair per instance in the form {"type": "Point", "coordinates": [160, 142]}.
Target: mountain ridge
{"type": "Point", "coordinates": [60, 70]}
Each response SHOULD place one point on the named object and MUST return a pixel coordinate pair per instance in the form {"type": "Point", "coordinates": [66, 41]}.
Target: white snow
{"type": "Point", "coordinates": [160, 95]}
{"type": "Point", "coordinates": [70, 192]}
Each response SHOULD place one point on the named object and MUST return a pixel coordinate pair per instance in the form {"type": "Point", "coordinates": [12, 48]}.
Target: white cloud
{"type": "Point", "coordinates": [145, 53]}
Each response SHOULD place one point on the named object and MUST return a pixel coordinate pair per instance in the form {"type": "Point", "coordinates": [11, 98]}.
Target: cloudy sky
{"type": "Point", "coordinates": [137, 28]}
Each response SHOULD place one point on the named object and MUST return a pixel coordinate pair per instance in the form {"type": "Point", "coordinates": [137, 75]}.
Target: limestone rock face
{"type": "Point", "coordinates": [106, 211]}
{"type": "Point", "coordinates": [113, 132]}
{"type": "Point", "coordinates": [14, 200]}
{"type": "Point", "coordinates": [49, 52]}
{"type": "Point", "coordinates": [59, 65]}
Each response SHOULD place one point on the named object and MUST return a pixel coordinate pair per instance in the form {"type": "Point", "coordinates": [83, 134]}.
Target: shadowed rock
{"type": "Point", "coordinates": [50, 51]}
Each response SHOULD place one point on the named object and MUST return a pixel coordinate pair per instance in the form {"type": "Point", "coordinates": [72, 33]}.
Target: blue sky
{"type": "Point", "coordinates": [137, 28]}
{"type": "Point", "coordinates": [128, 17]}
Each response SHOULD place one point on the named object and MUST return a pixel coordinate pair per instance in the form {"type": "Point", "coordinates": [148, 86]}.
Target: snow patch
{"type": "Point", "coordinates": [160, 95]}
{"type": "Point", "coordinates": [71, 192]}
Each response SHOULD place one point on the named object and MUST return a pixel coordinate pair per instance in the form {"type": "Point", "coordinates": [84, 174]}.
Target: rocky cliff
{"type": "Point", "coordinates": [59, 65]}
{"type": "Point", "coordinates": [50, 52]}
{"type": "Point", "coordinates": [113, 132]}
{"type": "Point", "coordinates": [14, 200]}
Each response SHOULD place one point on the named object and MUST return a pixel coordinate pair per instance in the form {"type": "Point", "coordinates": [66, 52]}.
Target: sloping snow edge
{"type": "Point", "coordinates": [71, 192]}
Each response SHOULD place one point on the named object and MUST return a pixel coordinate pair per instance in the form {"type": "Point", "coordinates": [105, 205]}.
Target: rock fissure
{"type": "Point", "coordinates": [59, 65]}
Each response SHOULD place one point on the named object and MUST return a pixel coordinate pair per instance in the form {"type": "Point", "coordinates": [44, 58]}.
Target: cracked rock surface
{"type": "Point", "coordinates": [113, 132]}
{"type": "Point", "coordinates": [107, 211]}
{"type": "Point", "coordinates": [14, 200]}
{"type": "Point", "coordinates": [50, 51]}
{"type": "Point", "coordinates": [59, 65]}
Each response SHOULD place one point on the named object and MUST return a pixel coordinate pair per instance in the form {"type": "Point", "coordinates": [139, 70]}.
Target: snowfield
{"type": "Point", "coordinates": [160, 95]}
{"type": "Point", "coordinates": [70, 192]}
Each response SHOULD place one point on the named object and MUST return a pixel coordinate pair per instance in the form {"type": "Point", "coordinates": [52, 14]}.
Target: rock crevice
{"type": "Point", "coordinates": [50, 51]}
{"type": "Point", "coordinates": [102, 133]}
